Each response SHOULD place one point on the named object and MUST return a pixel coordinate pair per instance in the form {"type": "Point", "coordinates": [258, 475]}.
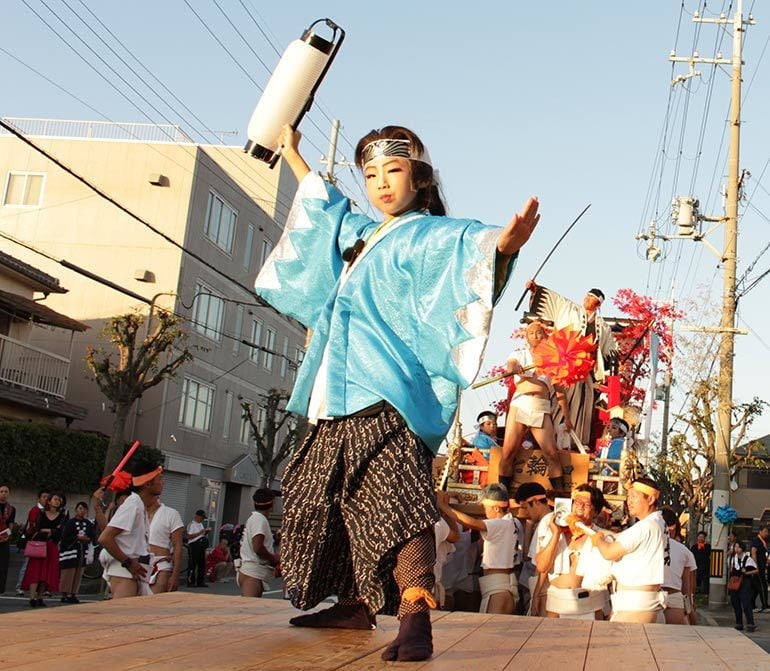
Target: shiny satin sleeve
{"type": "Point", "coordinates": [458, 290]}
{"type": "Point", "coordinates": [303, 268]}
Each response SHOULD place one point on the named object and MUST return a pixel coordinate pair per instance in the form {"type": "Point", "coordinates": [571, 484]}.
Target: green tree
{"type": "Point", "coordinates": [272, 445]}
{"type": "Point", "coordinates": [688, 464]}
{"type": "Point", "coordinates": [132, 365]}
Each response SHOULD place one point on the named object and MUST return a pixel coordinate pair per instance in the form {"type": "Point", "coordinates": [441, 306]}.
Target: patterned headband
{"type": "Point", "coordinates": [392, 148]}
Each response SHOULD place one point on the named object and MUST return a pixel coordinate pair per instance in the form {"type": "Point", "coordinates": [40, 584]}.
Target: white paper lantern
{"type": "Point", "coordinates": [289, 93]}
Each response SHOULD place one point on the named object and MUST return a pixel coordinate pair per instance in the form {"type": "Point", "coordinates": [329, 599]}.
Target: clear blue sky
{"type": "Point", "coordinates": [565, 101]}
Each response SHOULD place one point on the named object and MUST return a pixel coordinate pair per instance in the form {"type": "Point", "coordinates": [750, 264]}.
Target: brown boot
{"type": "Point", "coordinates": [414, 642]}
{"type": "Point", "coordinates": [339, 616]}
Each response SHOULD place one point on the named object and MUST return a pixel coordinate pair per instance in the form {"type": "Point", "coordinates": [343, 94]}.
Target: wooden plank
{"type": "Point", "coordinates": [680, 648]}
{"type": "Point", "coordinates": [448, 629]}
{"type": "Point", "coordinates": [495, 642]}
{"type": "Point", "coordinates": [733, 648]}
{"type": "Point", "coordinates": [554, 646]}
{"type": "Point", "coordinates": [125, 643]}
{"type": "Point", "coordinates": [615, 644]}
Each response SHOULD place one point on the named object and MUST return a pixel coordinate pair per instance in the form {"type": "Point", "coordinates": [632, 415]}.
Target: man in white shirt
{"type": "Point", "coordinates": [639, 555]}
{"type": "Point", "coordinates": [679, 580]}
{"type": "Point", "coordinates": [531, 497]}
{"type": "Point", "coordinates": [197, 542]}
{"type": "Point", "coordinates": [166, 528]}
{"type": "Point", "coordinates": [577, 573]}
{"type": "Point", "coordinates": [126, 537]}
{"type": "Point", "coordinates": [259, 562]}
{"type": "Point", "coordinates": [499, 586]}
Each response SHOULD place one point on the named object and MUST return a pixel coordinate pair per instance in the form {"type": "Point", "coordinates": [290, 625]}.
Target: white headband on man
{"type": "Point", "coordinates": [392, 148]}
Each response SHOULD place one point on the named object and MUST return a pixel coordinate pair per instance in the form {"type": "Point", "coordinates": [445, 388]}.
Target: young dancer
{"type": "Point", "coordinates": [400, 313]}
{"type": "Point", "coordinates": [126, 536]}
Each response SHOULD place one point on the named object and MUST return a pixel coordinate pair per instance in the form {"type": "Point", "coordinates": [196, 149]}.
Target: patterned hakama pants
{"type": "Point", "coordinates": [356, 493]}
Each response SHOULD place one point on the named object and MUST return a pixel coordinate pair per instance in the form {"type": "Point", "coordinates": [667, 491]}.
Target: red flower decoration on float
{"type": "Point", "coordinates": [565, 356]}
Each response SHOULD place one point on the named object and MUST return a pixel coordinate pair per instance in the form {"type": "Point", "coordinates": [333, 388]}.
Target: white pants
{"type": "Point", "coordinates": [531, 410]}
{"type": "Point", "coordinates": [569, 604]}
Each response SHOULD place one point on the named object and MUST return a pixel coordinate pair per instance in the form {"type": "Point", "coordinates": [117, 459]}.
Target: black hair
{"type": "Point", "coordinates": [263, 498]}
{"type": "Point", "coordinates": [597, 498]}
{"type": "Point", "coordinates": [528, 490]}
{"type": "Point", "coordinates": [42, 491]}
{"type": "Point", "coordinates": [200, 513]}
{"type": "Point", "coordinates": [486, 413]}
{"type": "Point", "coordinates": [622, 421]}
{"type": "Point", "coordinates": [423, 179]}
{"type": "Point", "coordinates": [81, 503]}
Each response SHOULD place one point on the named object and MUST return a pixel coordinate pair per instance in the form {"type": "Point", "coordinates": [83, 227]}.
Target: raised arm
{"type": "Point", "coordinates": [290, 151]}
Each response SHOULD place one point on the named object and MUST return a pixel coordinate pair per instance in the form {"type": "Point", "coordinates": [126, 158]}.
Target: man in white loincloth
{"type": "Point", "coordinates": [499, 587]}
{"type": "Point", "coordinates": [259, 562]}
{"type": "Point", "coordinates": [639, 555]}
{"type": "Point", "coordinates": [577, 573]}
{"type": "Point", "coordinates": [530, 410]}
{"type": "Point", "coordinates": [126, 537]}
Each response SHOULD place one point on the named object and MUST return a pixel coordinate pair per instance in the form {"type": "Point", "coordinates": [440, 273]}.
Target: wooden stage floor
{"type": "Point", "coordinates": [183, 631]}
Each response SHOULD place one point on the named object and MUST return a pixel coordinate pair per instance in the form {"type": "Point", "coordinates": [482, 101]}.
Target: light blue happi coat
{"type": "Point", "coordinates": [410, 323]}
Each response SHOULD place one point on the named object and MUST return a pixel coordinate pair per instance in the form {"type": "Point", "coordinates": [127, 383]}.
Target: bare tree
{"type": "Point", "coordinates": [271, 445]}
{"type": "Point", "coordinates": [133, 365]}
{"type": "Point", "coordinates": [688, 464]}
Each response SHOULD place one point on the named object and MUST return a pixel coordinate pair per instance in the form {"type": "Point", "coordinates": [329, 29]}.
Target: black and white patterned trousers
{"type": "Point", "coordinates": [355, 494]}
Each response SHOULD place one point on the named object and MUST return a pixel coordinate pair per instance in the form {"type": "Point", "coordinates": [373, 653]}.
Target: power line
{"type": "Point", "coordinates": [138, 297]}
{"type": "Point", "coordinates": [249, 176]}
{"type": "Point", "coordinates": [125, 210]}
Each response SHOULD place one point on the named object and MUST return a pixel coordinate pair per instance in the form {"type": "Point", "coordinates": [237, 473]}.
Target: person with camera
{"type": "Point", "coordinates": [197, 542]}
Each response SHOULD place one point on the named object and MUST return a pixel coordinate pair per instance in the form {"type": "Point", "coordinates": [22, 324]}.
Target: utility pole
{"type": "Point", "coordinates": [721, 493]}
{"type": "Point", "coordinates": [330, 160]}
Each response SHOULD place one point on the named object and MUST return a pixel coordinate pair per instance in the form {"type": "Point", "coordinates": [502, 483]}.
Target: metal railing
{"type": "Point", "coordinates": [100, 130]}
{"type": "Point", "coordinates": [33, 368]}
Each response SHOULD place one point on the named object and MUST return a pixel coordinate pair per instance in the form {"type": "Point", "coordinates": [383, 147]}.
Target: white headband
{"type": "Point", "coordinates": [389, 148]}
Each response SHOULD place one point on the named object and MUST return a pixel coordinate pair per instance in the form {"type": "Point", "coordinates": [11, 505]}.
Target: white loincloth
{"type": "Point", "coordinates": [675, 600]}
{"type": "Point", "coordinates": [531, 410]}
{"type": "Point", "coordinates": [159, 564]}
{"type": "Point", "coordinates": [569, 605]}
{"type": "Point", "coordinates": [113, 569]}
{"type": "Point", "coordinates": [497, 583]}
{"type": "Point", "coordinates": [257, 571]}
{"type": "Point", "coordinates": [638, 601]}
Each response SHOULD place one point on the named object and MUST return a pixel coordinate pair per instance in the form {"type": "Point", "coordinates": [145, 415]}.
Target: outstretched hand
{"type": "Point", "coordinates": [515, 235]}
{"type": "Point", "coordinates": [289, 139]}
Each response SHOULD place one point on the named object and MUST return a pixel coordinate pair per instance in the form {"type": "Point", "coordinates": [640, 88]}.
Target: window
{"type": "Point", "coordinates": [245, 434]}
{"type": "Point", "coordinates": [197, 402]}
{"type": "Point", "coordinates": [24, 189]}
{"type": "Point", "coordinates": [299, 356]}
{"type": "Point", "coordinates": [208, 312]}
{"type": "Point", "coordinates": [267, 247]}
{"type": "Point", "coordinates": [249, 245]}
{"type": "Point", "coordinates": [220, 223]}
{"type": "Point", "coordinates": [267, 361]}
{"type": "Point", "coordinates": [757, 479]}
{"type": "Point", "coordinates": [228, 412]}
{"type": "Point", "coordinates": [238, 329]}
{"type": "Point", "coordinates": [285, 357]}
{"type": "Point", "coordinates": [256, 337]}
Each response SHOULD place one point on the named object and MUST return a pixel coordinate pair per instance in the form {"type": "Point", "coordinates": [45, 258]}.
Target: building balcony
{"type": "Point", "coordinates": [33, 368]}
